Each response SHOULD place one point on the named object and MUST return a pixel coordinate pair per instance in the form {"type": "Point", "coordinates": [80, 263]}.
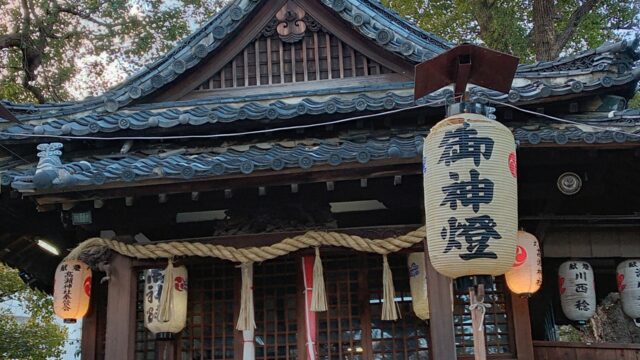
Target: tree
{"type": "Point", "coordinates": [38, 337]}
{"type": "Point", "coordinates": [531, 29]}
{"type": "Point", "coordinates": [45, 44]}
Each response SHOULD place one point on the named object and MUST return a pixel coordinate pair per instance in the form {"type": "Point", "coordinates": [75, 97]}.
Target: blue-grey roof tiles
{"type": "Point", "coordinates": [186, 163]}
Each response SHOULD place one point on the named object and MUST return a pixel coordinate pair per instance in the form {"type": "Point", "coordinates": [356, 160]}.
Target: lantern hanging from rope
{"type": "Point", "coordinates": [418, 284]}
{"type": "Point", "coordinates": [577, 290]}
{"type": "Point", "coordinates": [628, 275]}
{"type": "Point", "coordinates": [525, 277]}
{"type": "Point", "coordinates": [72, 290]}
{"type": "Point", "coordinates": [471, 196]}
{"type": "Point", "coordinates": [165, 300]}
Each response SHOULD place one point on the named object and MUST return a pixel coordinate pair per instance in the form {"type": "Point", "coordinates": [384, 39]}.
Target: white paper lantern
{"type": "Point", "coordinates": [418, 284]}
{"type": "Point", "coordinates": [471, 196]}
{"type": "Point", "coordinates": [72, 290]}
{"type": "Point", "coordinates": [628, 274]}
{"type": "Point", "coordinates": [174, 317]}
{"type": "Point", "coordinates": [577, 290]}
{"type": "Point", "coordinates": [525, 277]}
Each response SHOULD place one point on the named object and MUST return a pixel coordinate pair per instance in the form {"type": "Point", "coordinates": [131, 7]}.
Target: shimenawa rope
{"type": "Point", "coordinates": [253, 254]}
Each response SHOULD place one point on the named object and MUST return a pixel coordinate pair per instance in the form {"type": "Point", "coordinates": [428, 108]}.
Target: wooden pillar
{"type": "Point", "coordinates": [89, 342]}
{"type": "Point", "coordinates": [121, 310]}
{"type": "Point", "coordinates": [443, 341]}
{"type": "Point", "coordinates": [522, 327]}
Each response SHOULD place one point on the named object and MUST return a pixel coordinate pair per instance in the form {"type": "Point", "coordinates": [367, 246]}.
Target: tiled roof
{"type": "Point", "coordinates": [367, 17]}
{"type": "Point", "coordinates": [185, 163]}
{"type": "Point", "coordinates": [274, 106]}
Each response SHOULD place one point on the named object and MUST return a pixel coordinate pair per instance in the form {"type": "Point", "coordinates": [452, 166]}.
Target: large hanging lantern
{"type": "Point", "coordinates": [72, 290]}
{"type": "Point", "coordinates": [471, 196]}
{"type": "Point", "coordinates": [525, 277]}
{"type": "Point", "coordinates": [418, 284]}
{"type": "Point", "coordinates": [165, 299]}
{"type": "Point", "coordinates": [628, 274]}
{"type": "Point", "coordinates": [577, 290]}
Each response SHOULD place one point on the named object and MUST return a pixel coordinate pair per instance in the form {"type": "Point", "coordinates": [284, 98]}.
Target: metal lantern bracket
{"type": "Point", "coordinates": [460, 66]}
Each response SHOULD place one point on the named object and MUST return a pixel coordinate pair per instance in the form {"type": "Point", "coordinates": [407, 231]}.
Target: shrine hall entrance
{"type": "Point", "coordinates": [351, 328]}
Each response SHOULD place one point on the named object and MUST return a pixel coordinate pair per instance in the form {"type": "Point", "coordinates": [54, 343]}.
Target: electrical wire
{"type": "Point", "coordinates": [531, 112]}
{"type": "Point", "coordinates": [296, 127]}
{"type": "Point", "coordinates": [211, 136]}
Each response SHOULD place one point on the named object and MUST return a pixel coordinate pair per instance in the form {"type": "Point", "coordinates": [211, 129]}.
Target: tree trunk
{"type": "Point", "coordinates": [544, 34]}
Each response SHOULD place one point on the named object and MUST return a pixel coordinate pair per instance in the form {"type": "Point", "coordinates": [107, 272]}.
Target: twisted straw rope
{"type": "Point", "coordinates": [253, 254]}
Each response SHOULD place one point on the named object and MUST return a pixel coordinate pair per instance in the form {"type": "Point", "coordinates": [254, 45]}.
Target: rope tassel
{"type": "Point", "coordinates": [319, 295]}
{"type": "Point", "coordinates": [166, 297]}
{"type": "Point", "coordinates": [246, 318]}
{"type": "Point", "coordinates": [389, 306]}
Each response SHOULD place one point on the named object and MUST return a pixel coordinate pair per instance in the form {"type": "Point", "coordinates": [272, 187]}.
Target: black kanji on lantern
{"type": "Point", "coordinates": [476, 231]}
{"type": "Point", "coordinates": [581, 275]}
{"type": "Point", "coordinates": [464, 143]}
{"type": "Point", "coordinates": [474, 192]}
{"type": "Point", "coordinates": [582, 305]}
{"type": "Point", "coordinates": [582, 288]}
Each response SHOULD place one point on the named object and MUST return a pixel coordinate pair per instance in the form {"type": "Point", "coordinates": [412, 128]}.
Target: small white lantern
{"type": "Point", "coordinates": [418, 284]}
{"type": "Point", "coordinates": [525, 277]}
{"type": "Point", "coordinates": [628, 274]}
{"type": "Point", "coordinates": [165, 299]}
{"type": "Point", "coordinates": [471, 196]}
{"type": "Point", "coordinates": [577, 290]}
{"type": "Point", "coordinates": [72, 290]}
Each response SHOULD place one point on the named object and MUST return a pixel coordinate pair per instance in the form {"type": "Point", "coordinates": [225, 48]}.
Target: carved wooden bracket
{"type": "Point", "coordinates": [291, 25]}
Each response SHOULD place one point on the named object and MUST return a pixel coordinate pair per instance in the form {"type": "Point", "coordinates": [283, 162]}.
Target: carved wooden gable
{"type": "Point", "coordinates": [293, 47]}
{"type": "Point", "coordinates": [284, 43]}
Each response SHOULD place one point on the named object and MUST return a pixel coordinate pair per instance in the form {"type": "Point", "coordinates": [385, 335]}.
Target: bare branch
{"type": "Point", "coordinates": [574, 20]}
{"type": "Point", "coordinates": [76, 12]}
{"type": "Point", "coordinates": [10, 40]}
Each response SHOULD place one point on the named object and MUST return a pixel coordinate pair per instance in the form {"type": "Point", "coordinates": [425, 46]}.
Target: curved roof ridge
{"type": "Point", "coordinates": [372, 20]}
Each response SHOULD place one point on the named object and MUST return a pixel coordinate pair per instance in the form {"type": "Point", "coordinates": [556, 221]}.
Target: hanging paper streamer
{"type": "Point", "coordinates": [525, 277]}
{"type": "Point", "coordinates": [308, 274]}
{"type": "Point", "coordinates": [389, 307]}
{"type": "Point", "coordinates": [577, 290]}
{"type": "Point", "coordinates": [628, 274]}
{"type": "Point", "coordinates": [72, 290]}
{"type": "Point", "coordinates": [165, 299]}
{"type": "Point", "coordinates": [471, 196]}
{"type": "Point", "coordinates": [319, 301]}
{"type": "Point", "coordinates": [249, 347]}
{"type": "Point", "coordinates": [246, 318]}
{"type": "Point", "coordinates": [418, 284]}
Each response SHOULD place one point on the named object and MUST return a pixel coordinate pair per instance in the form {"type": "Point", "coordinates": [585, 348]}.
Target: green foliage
{"type": "Point", "coordinates": [52, 50]}
{"type": "Point", "coordinates": [506, 25]}
{"type": "Point", "coordinates": [36, 337]}
{"type": "Point", "coordinates": [634, 103]}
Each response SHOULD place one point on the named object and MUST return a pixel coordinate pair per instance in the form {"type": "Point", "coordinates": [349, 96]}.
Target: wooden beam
{"type": "Point", "coordinates": [121, 310]}
{"type": "Point", "coordinates": [443, 341]}
{"type": "Point", "coordinates": [522, 327]}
